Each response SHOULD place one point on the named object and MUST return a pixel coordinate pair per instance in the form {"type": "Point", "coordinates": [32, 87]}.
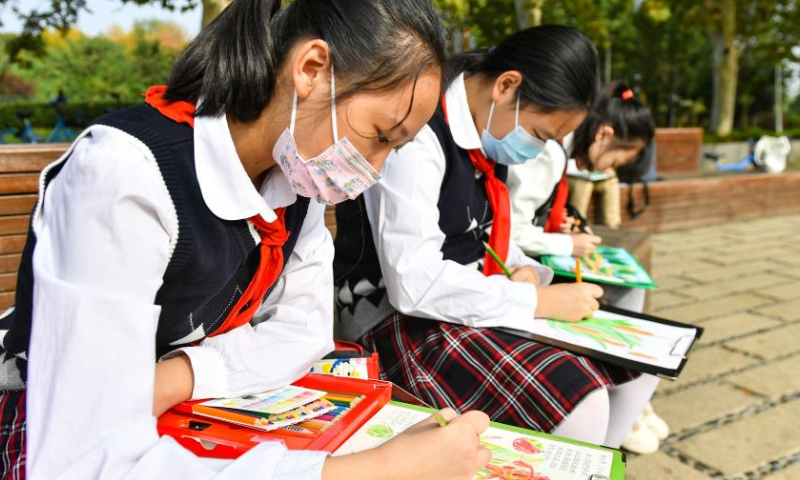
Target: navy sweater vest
{"type": "Point", "coordinates": [211, 266]}
{"type": "Point", "coordinates": [465, 217]}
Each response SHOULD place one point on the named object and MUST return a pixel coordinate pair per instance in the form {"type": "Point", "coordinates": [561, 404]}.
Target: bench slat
{"type": "Point", "coordinates": [12, 244]}
{"type": "Point", "coordinates": [6, 300]}
{"type": "Point", "coordinates": [17, 204]}
{"type": "Point", "coordinates": [19, 183]}
{"type": "Point", "coordinates": [28, 158]}
{"type": "Point", "coordinates": [14, 224]}
{"type": "Point", "coordinates": [8, 282]}
{"type": "Point", "coordinates": [9, 262]}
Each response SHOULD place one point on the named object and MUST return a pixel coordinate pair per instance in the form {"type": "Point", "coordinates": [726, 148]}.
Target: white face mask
{"type": "Point", "coordinates": [337, 174]}
{"type": "Point", "coordinates": [516, 148]}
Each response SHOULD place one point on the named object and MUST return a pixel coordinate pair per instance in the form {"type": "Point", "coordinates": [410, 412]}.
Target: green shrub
{"type": "Point", "coordinates": [754, 133]}
{"type": "Point", "coordinates": [77, 115]}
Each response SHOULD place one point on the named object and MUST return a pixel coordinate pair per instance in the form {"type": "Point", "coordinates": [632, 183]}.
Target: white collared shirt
{"type": "Point", "coordinates": [531, 184]}
{"type": "Point", "coordinates": [404, 216]}
{"type": "Point", "coordinates": [105, 235]}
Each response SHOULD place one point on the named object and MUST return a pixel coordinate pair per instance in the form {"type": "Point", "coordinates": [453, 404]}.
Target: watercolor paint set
{"type": "Point", "coordinates": [344, 406]}
{"type": "Point", "coordinates": [348, 360]}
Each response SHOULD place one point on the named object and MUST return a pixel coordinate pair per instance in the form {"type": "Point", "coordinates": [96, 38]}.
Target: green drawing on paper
{"type": "Point", "coordinates": [380, 431]}
{"type": "Point", "coordinates": [611, 265]}
{"type": "Point", "coordinates": [512, 465]}
{"type": "Point", "coordinates": [605, 332]}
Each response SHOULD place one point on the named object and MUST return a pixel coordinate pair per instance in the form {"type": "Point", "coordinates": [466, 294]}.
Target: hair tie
{"type": "Point", "coordinates": [627, 94]}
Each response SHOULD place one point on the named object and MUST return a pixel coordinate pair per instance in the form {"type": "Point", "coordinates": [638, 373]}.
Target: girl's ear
{"type": "Point", "coordinates": [506, 86]}
{"type": "Point", "coordinates": [310, 67]}
{"type": "Point", "coordinates": [605, 131]}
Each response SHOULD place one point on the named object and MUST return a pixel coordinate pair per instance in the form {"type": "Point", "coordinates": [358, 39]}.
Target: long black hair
{"type": "Point", "coordinates": [375, 44]}
{"type": "Point", "coordinates": [559, 66]}
{"type": "Point", "coordinates": [630, 119]}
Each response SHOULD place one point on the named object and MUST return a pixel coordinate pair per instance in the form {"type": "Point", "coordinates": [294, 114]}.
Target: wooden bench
{"type": "Point", "coordinates": [19, 184]}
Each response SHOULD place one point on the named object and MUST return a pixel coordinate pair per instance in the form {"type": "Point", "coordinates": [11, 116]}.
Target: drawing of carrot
{"type": "Point", "coordinates": [585, 329]}
{"type": "Point", "coordinates": [644, 355]}
{"type": "Point", "coordinates": [628, 328]}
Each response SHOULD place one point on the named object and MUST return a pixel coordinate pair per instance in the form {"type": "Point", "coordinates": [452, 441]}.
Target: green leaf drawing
{"type": "Point", "coordinates": [380, 431]}
{"type": "Point", "coordinates": [604, 331]}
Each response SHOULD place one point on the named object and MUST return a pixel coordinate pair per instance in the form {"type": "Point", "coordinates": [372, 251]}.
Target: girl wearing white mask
{"type": "Point", "coordinates": [424, 293]}
{"type": "Point", "coordinates": [178, 250]}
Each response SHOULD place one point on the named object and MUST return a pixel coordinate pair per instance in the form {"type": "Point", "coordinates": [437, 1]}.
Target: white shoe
{"type": "Point", "coordinates": [641, 440]}
{"type": "Point", "coordinates": [655, 423]}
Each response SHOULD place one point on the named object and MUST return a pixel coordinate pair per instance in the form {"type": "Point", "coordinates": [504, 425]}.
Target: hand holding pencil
{"type": "Point", "coordinates": [445, 446]}
{"type": "Point", "coordinates": [525, 273]}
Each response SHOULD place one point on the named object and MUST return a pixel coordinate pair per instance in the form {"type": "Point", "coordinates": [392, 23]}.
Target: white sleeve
{"type": "Point", "coordinates": [103, 244]}
{"type": "Point", "coordinates": [517, 258]}
{"type": "Point", "coordinates": [291, 330]}
{"type": "Point", "coordinates": [530, 186]}
{"type": "Point", "coordinates": [404, 216]}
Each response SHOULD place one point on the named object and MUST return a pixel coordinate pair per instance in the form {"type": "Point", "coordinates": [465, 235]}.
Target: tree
{"type": "Point", "coordinates": [732, 27]}
{"type": "Point", "coordinates": [63, 14]}
{"type": "Point", "coordinates": [121, 65]}
{"type": "Point", "coordinates": [606, 22]}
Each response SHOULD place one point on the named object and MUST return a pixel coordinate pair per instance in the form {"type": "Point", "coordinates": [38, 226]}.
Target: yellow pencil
{"type": "Point", "coordinates": [578, 277]}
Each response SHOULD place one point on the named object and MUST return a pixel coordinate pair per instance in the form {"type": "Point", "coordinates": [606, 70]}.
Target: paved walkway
{"type": "Point", "coordinates": [735, 411]}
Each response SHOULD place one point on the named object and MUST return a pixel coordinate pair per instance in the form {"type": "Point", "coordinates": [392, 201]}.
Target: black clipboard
{"type": "Point", "coordinates": [662, 372]}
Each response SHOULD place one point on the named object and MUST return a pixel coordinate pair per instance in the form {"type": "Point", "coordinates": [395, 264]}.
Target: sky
{"type": "Point", "coordinates": [105, 13]}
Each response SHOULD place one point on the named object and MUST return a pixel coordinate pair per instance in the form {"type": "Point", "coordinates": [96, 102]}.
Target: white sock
{"type": "Point", "coordinates": [589, 421]}
{"type": "Point", "coordinates": [626, 404]}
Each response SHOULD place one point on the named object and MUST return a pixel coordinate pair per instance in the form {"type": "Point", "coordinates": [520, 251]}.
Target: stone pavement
{"type": "Point", "coordinates": [735, 411]}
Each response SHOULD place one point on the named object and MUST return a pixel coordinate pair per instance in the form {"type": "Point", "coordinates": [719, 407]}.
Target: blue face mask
{"type": "Point", "coordinates": [516, 148]}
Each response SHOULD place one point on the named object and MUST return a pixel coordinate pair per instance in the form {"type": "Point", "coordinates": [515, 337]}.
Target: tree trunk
{"type": "Point", "coordinates": [212, 8]}
{"type": "Point", "coordinates": [529, 13]}
{"type": "Point", "coordinates": [779, 98]}
{"type": "Point", "coordinates": [726, 52]}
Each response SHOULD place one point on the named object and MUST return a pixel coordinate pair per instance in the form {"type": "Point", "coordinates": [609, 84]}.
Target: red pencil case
{"type": "Point", "coordinates": [216, 439]}
{"type": "Point", "coordinates": [344, 353]}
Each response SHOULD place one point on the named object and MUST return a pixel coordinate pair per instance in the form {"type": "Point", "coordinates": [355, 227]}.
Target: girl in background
{"type": "Point", "coordinates": [616, 138]}
{"type": "Point", "coordinates": [422, 290]}
{"type": "Point", "coordinates": [611, 137]}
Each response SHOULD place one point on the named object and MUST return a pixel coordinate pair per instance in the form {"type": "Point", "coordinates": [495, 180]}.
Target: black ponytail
{"type": "Point", "coordinates": [630, 119]}
{"type": "Point", "coordinates": [559, 66]}
{"type": "Point", "coordinates": [375, 44]}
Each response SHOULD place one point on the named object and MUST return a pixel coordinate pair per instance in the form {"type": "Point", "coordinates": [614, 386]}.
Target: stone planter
{"type": "Point", "coordinates": [678, 149]}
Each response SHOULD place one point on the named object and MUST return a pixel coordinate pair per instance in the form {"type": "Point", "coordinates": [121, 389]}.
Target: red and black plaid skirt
{"type": "Point", "coordinates": [12, 435]}
{"type": "Point", "coordinates": [513, 380]}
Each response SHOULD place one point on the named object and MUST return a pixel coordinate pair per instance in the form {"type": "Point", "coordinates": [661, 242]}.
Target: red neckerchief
{"type": "Point", "coordinates": [559, 207]}
{"type": "Point", "coordinates": [273, 235]}
{"type": "Point", "coordinates": [499, 201]}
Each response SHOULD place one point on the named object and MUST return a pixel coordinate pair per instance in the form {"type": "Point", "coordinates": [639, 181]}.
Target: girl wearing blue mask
{"type": "Point", "coordinates": [178, 250]}
{"type": "Point", "coordinates": [422, 290]}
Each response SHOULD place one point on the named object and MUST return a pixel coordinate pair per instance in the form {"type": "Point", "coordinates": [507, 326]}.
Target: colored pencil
{"type": "Point", "coordinates": [440, 420]}
{"type": "Point", "coordinates": [497, 259]}
{"type": "Point", "coordinates": [298, 431]}
{"type": "Point", "coordinates": [578, 277]}
{"type": "Point", "coordinates": [226, 414]}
